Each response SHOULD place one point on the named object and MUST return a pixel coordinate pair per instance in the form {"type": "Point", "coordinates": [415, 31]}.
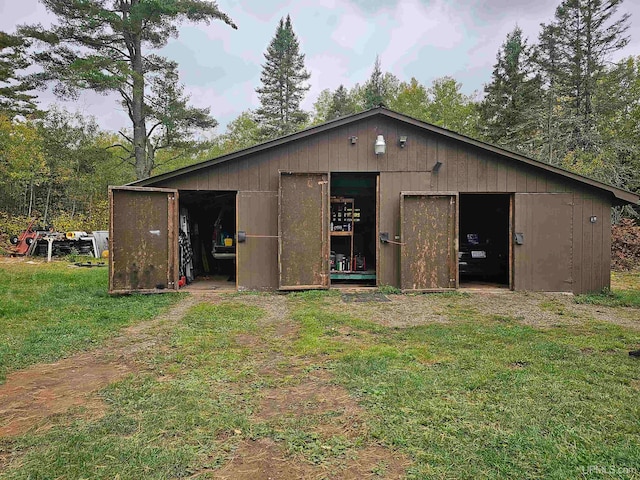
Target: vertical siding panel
{"type": "Point", "coordinates": [372, 162]}
{"type": "Point", "coordinates": [361, 143]}
{"type": "Point", "coordinates": [343, 146]}
{"type": "Point", "coordinates": [314, 148]}
{"type": "Point", "coordinates": [452, 163]}
{"type": "Point", "coordinates": [587, 244]}
{"type": "Point", "coordinates": [577, 260]}
{"type": "Point", "coordinates": [267, 167]}
{"type": "Point", "coordinates": [432, 157]}
{"type": "Point", "coordinates": [501, 185]}
{"type": "Point", "coordinates": [521, 180]}
{"type": "Point", "coordinates": [352, 150]}
{"type": "Point", "coordinates": [596, 255]}
{"type": "Point", "coordinates": [606, 244]}
{"type": "Point", "coordinates": [511, 178]}
{"type": "Point", "coordinates": [422, 153]}
{"type": "Point", "coordinates": [233, 175]}
{"type": "Point", "coordinates": [334, 151]}
{"type": "Point", "coordinates": [323, 152]}
{"type": "Point", "coordinates": [214, 178]}
{"type": "Point", "coordinates": [403, 153]}
{"type": "Point", "coordinates": [254, 171]}
{"type": "Point", "coordinates": [482, 173]}
{"type": "Point", "coordinates": [415, 141]}
{"type": "Point", "coordinates": [472, 172]}
{"type": "Point", "coordinates": [223, 177]}
{"type": "Point", "coordinates": [303, 155]}
{"type": "Point", "coordinates": [532, 181]}
{"type": "Point", "coordinates": [294, 156]}
{"type": "Point", "coordinates": [463, 165]}
{"type": "Point", "coordinates": [542, 183]}
{"type": "Point", "coordinates": [392, 148]}
{"type": "Point", "coordinates": [492, 174]}
{"type": "Point", "coordinates": [243, 172]}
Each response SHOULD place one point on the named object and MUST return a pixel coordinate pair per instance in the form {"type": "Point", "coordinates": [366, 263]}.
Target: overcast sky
{"type": "Point", "coordinates": [425, 39]}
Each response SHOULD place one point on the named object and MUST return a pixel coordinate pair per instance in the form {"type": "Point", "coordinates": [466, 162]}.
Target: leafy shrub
{"type": "Point", "coordinates": [625, 245]}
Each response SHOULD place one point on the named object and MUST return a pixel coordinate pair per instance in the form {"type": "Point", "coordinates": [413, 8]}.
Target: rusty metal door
{"type": "Point", "coordinates": [429, 245]}
{"type": "Point", "coordinates": [542, 250]}
{"type": "Point", "coordinates": [303, 229]}
{"type": "Point", "coordinates": [143, 239]}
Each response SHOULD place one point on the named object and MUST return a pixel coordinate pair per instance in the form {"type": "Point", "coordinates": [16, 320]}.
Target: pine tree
{"type": "Point", "coordinates": [283, 85]}
{"type": "Point", "coordinates": [342, 104]}
{"type": "Point", "coordinates": [14, 90]}
{"type": "Point", "coordinates": [507, 111]}
{"type": "Point", "coordinates": [380, 89]}
{"type": "Point", "coordinates": [373, 89]}
{"type": "Point", "coordinates": [550, 143]}
{"type": "Point", "coordinates": [101, 45]}
{"type": "Point", "coordinates": [586, 34]}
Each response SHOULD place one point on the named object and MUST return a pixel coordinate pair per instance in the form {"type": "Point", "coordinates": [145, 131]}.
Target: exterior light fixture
{"type": "Point", "coordinates": [402, 141]}
{"type": "Point", "coordinates": [380, 147]}
{"type": "Point", "coordinates": [353, 140]}
{"type": "Point", "coordinates": [437, 166]}
{"type": "Point", "coordinates": [593, 219]}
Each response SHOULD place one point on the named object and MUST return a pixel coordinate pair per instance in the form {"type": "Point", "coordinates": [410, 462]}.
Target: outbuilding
{"type": "Point", "coordinates": [375, 198]}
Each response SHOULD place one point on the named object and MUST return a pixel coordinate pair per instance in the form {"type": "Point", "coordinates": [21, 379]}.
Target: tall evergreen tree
{"type": "Point", "coordinates": [550, 143]}
{"type": "Point", "coordinates": [101, 45]}
{"type": "Point", "coordinates": [587, 33]}
{"type": "Point", "coordinates": [380, 89]}
{"type": "Point", "coordinates": [15, 98]}
{"type": "Point", "coordinates": [342, 104]}
{"type": "Point", "coordinates": [283, 85]}
{"type": "Point", "coordinates": [512, 96]}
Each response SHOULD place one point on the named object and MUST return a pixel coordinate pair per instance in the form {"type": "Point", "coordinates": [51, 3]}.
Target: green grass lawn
{"type": "Point", "coordinates": [477, 396]}
{"type": "Point", "coordinates": [49, 311]}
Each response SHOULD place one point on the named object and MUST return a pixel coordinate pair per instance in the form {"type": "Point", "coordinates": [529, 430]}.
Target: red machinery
{"type": "Point", "coordinates": [22, 244]}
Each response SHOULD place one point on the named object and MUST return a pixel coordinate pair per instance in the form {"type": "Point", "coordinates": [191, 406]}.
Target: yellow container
{"type": "Point", "coordinates": [228, 242]}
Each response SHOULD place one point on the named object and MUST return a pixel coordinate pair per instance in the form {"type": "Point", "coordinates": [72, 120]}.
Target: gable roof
{"type": "Point", "coordinates": [624, 196]}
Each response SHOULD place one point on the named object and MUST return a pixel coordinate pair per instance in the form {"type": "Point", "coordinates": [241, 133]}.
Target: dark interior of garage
{"type": "Point", "coordinates": [353, 228]}
{"type": "Point", "coordinates": [483, 256]}
{"type": "Point", "coordinates": [207, 238]}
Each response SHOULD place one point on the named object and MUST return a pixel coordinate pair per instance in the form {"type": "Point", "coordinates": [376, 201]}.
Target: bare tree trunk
{"type": "Point", "coordinates": [30, 197]}
{"type": "Point", "coordinates": [46, 204]}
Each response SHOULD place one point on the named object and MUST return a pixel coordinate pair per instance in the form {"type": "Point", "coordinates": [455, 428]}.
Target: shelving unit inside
{"type": "Point", "coordinates": [352, 228]}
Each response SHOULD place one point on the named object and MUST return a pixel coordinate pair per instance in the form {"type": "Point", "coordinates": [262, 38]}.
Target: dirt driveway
{"type": "Point", "coordinates": [31, 397]}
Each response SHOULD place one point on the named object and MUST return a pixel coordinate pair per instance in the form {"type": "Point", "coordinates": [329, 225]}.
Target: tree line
{"type": "Point", "coordinates": [559, 99]}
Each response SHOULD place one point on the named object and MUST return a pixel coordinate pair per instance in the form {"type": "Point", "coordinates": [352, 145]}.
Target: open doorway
{"type": "Point", "coordinates": [207, 240]}
{"type": "Point", "coordinates": [352, 228]}
{"type": "Point", "coordinates": [483, 256]}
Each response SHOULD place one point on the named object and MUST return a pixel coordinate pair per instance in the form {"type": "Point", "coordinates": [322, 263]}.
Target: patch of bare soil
{"type": "Point", "coordinates": [535, 309]}
{"type": "Point", "coordinates": [303, 391]}
{"type": "Point", "coordinates": [398, 311]}
{"type": "Point", "coordinates": [264, 459]}
{"type": "Point", "coordinates": [29, 397]}
{"type": "Point", "coordinates": [549, 309]}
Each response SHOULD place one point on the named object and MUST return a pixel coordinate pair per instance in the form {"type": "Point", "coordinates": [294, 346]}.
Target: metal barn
{"type": "Point", "coordinates": [376, 198]}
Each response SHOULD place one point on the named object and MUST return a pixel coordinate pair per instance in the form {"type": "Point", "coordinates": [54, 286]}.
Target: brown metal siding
{"type": "Point", "coordinates": [142, 240]}
{"type": "Point", "coordinates": [429, 259]}
{"type": "Point", "coordinates": [303, 254]}
{"type": "Point", "coordinates": [544, 260]}
{"type": "Point", "coordinates": [257, 259]}
{"type": "Point", "coordinates": [465, 168]}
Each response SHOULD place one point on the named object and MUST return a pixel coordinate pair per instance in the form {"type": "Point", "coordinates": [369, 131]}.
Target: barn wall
{"type": "Point", "coordinates": [465, 168]}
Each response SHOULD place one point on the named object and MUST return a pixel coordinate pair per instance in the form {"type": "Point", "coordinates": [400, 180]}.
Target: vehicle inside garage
{"type": "Point", "coordinates": [483, 255]}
